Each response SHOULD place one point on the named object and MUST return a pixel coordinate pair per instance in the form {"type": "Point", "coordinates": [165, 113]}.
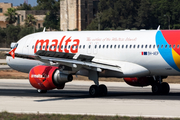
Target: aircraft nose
{"type": "Point", "coordinates": [8, 59]}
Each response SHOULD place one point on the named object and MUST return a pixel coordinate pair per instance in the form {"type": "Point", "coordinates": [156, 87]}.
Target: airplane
{"type": "Point", "coordinates": [141, 57]}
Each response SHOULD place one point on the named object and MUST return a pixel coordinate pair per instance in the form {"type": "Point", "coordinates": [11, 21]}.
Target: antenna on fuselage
{"type": "Point", "coordinates": [44, 30]}
{"type": "Point", "coordinates": [158, 27]}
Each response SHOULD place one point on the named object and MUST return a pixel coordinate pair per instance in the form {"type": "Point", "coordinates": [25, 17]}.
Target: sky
{"type": "Point", "coordinates": [18, 2]}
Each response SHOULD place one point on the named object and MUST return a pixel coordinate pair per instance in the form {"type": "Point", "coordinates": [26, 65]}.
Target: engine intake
{"type": "Point", "coordinates": [48, 77]}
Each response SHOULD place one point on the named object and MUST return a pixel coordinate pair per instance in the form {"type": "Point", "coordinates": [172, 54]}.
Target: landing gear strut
{"type": "Point", "coordinates": [159, 87]}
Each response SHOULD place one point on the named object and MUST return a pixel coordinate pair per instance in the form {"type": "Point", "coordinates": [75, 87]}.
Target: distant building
{"type": "Point", "coordinates": [38, 14]}
{"type": "Point", "coordinates": [77, 14]}
{"type": "Point", "coordinates": [22, 15]}
{"type": "Point", "coordinates": [3, 9]}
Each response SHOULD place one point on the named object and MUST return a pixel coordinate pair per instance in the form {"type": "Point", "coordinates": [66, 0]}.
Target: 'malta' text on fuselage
{"type": "Point", "coordinates": [73, 48]}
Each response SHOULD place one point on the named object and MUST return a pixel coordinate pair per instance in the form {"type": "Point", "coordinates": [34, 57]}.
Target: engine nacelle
{"type": "Point", "coordinates": [142, 81]}
{"type": "Point", "coordinates": [48, 77]}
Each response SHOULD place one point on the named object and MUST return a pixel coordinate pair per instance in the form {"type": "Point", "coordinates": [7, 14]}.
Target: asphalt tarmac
{"type": "Point", "coordinates": [18, 96]}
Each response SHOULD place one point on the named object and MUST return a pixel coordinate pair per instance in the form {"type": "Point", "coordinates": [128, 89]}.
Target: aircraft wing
{"type": "Point", "coordinates": [70, 60]}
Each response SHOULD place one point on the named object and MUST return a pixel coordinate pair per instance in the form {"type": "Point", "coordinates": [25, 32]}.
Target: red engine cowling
{"type": "Point", "coordinates": [48, 77]}
{"type": "Point", "coordinates": [142, 81]}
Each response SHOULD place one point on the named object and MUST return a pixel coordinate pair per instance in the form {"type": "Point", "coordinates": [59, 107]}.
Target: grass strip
{"type": "Point", "coordinates": [12, 116]}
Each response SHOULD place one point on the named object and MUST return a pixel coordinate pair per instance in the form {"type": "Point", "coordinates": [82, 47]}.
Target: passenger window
{"type": "Point", "coordinates": [126, 46]}
{"type": "Point", "coordinates": [174, 46]}
{"type": "Point", "coordinates": [103, 46]}
{"type": "Point", "coordinates": [165, 46]}
{"type": "Point", "coordinates": [169, 46]}
{"type": "Point", "coordinates": [40, 47]}
{"type": "Point", "coordinates": [161, 46]}
{"type": "Point", "coordinates": [130, 46]}
{"type": "Point", "coordinates": [80, 47]}
{"type": "Point", "coordinates": [149, 46]}
{"type": "Point", "coordinates": [58, 46]}
{"type": "Point", "coordinates": [138, 46]}
{"type": "Point", "coordinates": [177, 46]}
{"type": "Point", "coordinates": [114, 46]}
{"type": "Point", "coordinates": [89, 46]}
{"type": "Point", "coordinates": [146, 46]}
{"type": "Point", "coordinates": [157, 46]}
{"type": "Point", "coordinates": [134, 46]}
{"type": "Point", "coordinates": [95, 46]}
{"type": "Point", "coordinates": [154, 46]}
{"type": "Point", "coordinates": [33, 47]}
{"type": "Point", "coordinates": [99, 46]}
{"type": "Point", "coordinates": [141, 46]}
{"type": "Point", "coordinates": [111, 46]}
{"type": "Point", "coordinates": [61, 46]}
{"type": "Point", "coordinates": [83, 46]}
{"type": "Point", "coordinates": [107, 46]}
{"type": "Point", "coordinates": [122, 46]}
{"type": "Point", "coordinates": [118, 46]}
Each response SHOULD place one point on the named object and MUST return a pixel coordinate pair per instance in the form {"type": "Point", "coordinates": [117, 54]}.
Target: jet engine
{"type": "Point", "coordinates": [142, 81]}
{"type": "Point", "coordinates": [48, 77]}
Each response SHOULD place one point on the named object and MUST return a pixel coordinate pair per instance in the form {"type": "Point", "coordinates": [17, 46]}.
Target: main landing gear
{"type": "Point", "coordinates": [159, 87]}
{"type": "Point", "coordinates": [100, 90]}
{"type": "Point", "coordinates": [96, 90]}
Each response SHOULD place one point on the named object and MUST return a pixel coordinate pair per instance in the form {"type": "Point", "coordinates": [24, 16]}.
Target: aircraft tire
{"type": "Point", "coordinates": [41, 91]}
{"type": "Point", "coordinates": [156, 89]}
{"type": "Point", "coordinates": [102, 90]}
{"type": "Point", "coordinates": [165, 88]}
{"type": "Point", "coordinates": [94, 91]}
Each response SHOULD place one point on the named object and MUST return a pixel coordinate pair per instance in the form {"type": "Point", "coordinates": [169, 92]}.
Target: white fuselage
{"type": "Point", "coordinates": [125, 49]}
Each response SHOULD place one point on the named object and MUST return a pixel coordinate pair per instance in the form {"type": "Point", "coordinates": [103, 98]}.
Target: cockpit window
{"type": "Point", "coordinates": [14, 45]}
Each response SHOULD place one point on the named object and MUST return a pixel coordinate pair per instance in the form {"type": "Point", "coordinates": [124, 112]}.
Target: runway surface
{"type": "Point", "coordinates": [18, 96]}
{"type": "Point", "coordinates": [3, 67]}
{"type": "Point", "coordinates": [2, 60]}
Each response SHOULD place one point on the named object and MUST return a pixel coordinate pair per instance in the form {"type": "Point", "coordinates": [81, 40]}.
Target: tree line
{"type": "Point", "coordinates": [112, 15]}
{"type": "Point", "coordinates": [136, 14]}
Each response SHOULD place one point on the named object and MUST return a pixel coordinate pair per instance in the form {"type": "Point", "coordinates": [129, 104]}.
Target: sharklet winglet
{"type": "Point", "coordinates": [44, 30]}
{"type": "Point", "coordinates": [158, 27]}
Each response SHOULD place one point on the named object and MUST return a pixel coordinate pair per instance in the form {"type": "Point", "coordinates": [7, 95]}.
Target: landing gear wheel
{"type": "Point", "coordinates": [102, 90]}
{"type": "Point", "coordinates": [156, 89]}
{"type": "Point", "coordinates": [41, 91]}
{"type": "Point", "coordinates": [162, 88]}
{"type": "Point", "coordinates": [165, 88]}
{"type": "Point", "coordinates": [94, 90]}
